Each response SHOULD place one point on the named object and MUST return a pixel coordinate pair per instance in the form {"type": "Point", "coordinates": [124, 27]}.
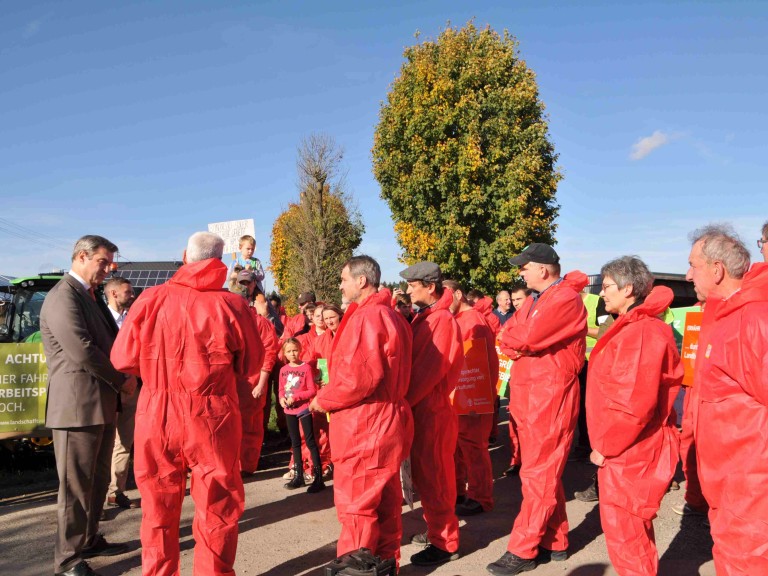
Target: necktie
{"type": "Point", "coordinates": [92, 293]}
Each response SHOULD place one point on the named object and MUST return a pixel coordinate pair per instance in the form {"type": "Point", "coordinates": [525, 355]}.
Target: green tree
{"type": "Point", "coordinates": [314, 236]}
{"type": "Point", "coordinates": [463, 156]}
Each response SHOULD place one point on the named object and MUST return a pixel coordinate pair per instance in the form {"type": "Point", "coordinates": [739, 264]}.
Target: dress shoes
{"type": "Point", "coordinates": [120, 500]}
{"type": "Point", "coordinates": [100, 547]}
{"type": "Point", "coordinates": [469, 507]}
{"type": "Point", "coordinates": [79, 569]}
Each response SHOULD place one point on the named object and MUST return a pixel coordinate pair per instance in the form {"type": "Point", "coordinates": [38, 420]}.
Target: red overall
{"type": "Point", "coordinates": [190, 341]}
{"type": "Point", "coordinates": [371, 424]}
{"type": "Point", "coordinates": [731, 424]}
{"type": "Point", "coordinates": [474, 473]}
{"type": "Point", "coordinates": [634, 377]}
{"type": "Point", "coordinates": [547, 340]}
{"type": "Point", "coordinates": [438, 356]}
{"type": "Point", "coordinates": [252, 409]}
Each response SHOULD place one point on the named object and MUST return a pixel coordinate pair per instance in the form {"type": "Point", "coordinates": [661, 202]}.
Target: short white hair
{"type": "Point", "coordinates": [204, 245]}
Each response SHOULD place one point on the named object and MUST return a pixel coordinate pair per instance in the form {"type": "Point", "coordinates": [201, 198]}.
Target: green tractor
{"type": "Point", "coordinates": [23, 371]}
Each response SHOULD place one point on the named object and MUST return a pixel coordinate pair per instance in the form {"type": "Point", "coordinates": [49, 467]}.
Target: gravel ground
{"type": "Point", "coordinates": [288, 533]}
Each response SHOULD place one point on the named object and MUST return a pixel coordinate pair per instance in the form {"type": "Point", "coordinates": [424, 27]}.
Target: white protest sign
{"type": "Point", "coordinates": [232, 231]}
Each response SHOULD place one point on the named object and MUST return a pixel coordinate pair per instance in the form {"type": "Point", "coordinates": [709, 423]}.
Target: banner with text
{"type": "Point", "coordinates": [505, 368]}
{"type": "Point", "coordinates": [232, 231]}
{"type": "Point", "coordinates": [474, 392]}
{"type": "Point", "coordinates": [23, 388]}
{"type": "Point", "coordinates": [690, 344]}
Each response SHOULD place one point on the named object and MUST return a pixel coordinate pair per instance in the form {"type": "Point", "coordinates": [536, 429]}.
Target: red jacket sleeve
{"type": "Point", "coordinates": [436, 348]}
{"type": "Point", "coordinates": [268, 339]}
{"type": "Point", "coordinates": [126, 350]}
{"type": "Point", "coordinates": [560, 317]}
{"type": "Point", "coordinates": [359, 364]}
{"type": "Point", "coordinates": [250, 356]}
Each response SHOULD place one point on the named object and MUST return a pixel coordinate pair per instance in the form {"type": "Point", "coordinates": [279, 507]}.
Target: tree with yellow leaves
{"type": "Point", "coordinates": [314, 236]}
{"type": "Point", "coordinates": [463, 156]}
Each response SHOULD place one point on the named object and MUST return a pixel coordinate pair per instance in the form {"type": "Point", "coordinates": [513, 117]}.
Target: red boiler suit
{"type": "Point", "coordinates": [252, 409]}
{"type": "Point", "coordinates": [634, 377]}
{"type": "Point", "coordinates": [731, 424]}
{"type": "Point", "coordinates": [438, 357]}
{"type": "Point", "coordinates": [190, 341]}
{"type": "Point", "coordinates": [546, 338]}
{"type": "Point", "coordinates": [474, 472]}
{"type": "Point", "coordinates": [485, 307]}
{"type": "Point", "coordinates": [371, 424]}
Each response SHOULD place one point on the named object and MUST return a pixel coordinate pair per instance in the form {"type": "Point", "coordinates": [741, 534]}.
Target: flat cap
{"type": "Point", "coordinates": [425, 271]}
{"type": "Point", "coordinates": [538, 253]}
{"type": "Point", "coordinates": [306, 298]}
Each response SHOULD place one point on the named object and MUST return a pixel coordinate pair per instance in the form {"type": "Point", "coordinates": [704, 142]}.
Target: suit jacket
{"type": "Point", "coordinates": [77, 334]}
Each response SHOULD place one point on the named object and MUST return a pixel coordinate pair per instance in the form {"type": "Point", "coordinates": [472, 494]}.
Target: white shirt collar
{"type": "Point", "coordinates": [77, 277]}
{"type": "Point", "coordinates": [118, 316]}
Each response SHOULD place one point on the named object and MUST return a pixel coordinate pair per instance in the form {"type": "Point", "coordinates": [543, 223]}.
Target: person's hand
{"type": "Point", "coordinates": [314, 406]}
{"type": "Point", "coordinates": [289, 400]}
{"type": "Point", "coordinates": [282, 402]}
{"type": "Point", "coordinates": [259, 389]}
{"type": "Point", "coordinates": [129, 386]}
{"type": "Point", "coordinates": [397, 292]}
{"type": "Point", "coordinates": [597, 459]}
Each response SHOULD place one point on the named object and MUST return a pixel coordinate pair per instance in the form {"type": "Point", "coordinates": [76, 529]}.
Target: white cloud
{"type": "Point", "coordinates": [645, 146]}
{"type": "Point", "coordinates": [32, 28]}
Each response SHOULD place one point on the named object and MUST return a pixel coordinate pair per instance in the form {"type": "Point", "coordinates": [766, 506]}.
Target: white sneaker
{"type": "Point", "coordinates": [687, 510]}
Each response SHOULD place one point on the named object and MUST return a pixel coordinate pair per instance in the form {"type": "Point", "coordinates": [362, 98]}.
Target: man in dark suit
{"type": "Point", "coordinates": [83, 388]}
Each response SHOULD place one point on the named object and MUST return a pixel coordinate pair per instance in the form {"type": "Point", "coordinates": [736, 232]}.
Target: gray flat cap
{"type": "Point", "coordinates": [425, 271]}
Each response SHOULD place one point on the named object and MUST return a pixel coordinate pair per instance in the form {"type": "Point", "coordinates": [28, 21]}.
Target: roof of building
{"type": "Point", "coordinates": [145, 274]}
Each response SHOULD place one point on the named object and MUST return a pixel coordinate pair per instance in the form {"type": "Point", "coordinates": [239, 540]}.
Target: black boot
{"type": "Point", "coordinates": [298, 478]}
{"type": "Point", "coordinates": [317, 480]}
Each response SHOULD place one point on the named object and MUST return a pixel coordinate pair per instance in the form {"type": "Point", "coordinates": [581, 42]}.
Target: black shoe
{"type": "Point", "coordinates": [509, 565]}
{"type": "Point", "coordinates": [588, 495]}
{"type": "Point", "coordinates": [79, 569]}
{"type": "Point", "coordinates": [513, 470]}
{"type": "Point", "coordinates": [546, 555]}
{"type": "Point", "coordinates": [469, 508]}
{"type": "Point", "coordinates": [297, 481]}
{"type": "Point", "coordinates": [420, 539]}
{"type": "Point", "coordinates": [101, 547]}
{"type": "Point", "coordinates": [317, 481]}
{"type": "Point", "coordinates": [433, 556]}
{"type": "Point", "coordinates": [120, 500]}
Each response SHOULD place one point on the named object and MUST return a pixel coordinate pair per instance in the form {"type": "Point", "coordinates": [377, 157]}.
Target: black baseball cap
{"type": "Point", "coordinates": [538, 253]}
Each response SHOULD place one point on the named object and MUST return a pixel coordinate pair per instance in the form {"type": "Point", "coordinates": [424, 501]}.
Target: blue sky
{"type": "Point", "coordinates": [145, 121]}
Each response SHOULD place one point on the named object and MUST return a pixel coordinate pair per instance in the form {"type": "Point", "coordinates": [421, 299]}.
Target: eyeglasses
{"type": "Point", "coordinates": [761, 243]}
{"type": "Point", "coordinates": [606, 286]}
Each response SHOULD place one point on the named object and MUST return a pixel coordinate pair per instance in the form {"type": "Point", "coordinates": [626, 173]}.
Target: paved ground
{"type": "Point", "coordinates": [287, 533]}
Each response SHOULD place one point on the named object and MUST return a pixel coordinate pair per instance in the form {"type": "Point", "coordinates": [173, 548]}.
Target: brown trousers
{"type": "Point", "coordinates": [83, 461]}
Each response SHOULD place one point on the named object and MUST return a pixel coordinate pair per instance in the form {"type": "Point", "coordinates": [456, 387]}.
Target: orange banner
{"type": "Point", "coordinates": [505, 366]}
{"type": "Point", "coordinates": [690, 344]}
{"type": "Point", "coordinates": [474, 393]}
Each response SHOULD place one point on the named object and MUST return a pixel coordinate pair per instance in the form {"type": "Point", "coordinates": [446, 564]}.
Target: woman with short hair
{"type": "Point", "coordinates": [634, 377]}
